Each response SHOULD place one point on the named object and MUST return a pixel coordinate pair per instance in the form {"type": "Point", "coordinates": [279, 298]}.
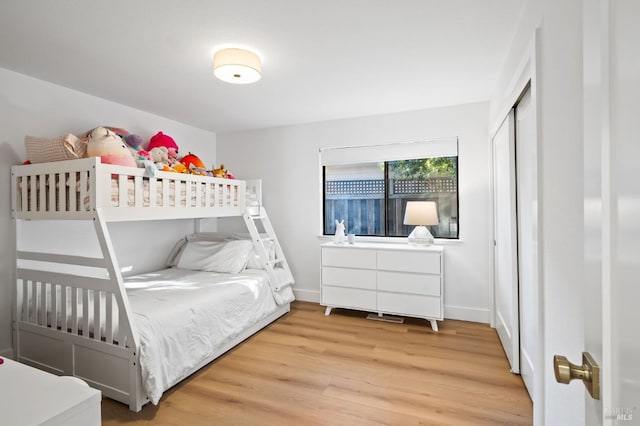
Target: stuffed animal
{"type": "Point", "coordinates": [134, 141]}
{"type": "Point", "coordinates": [221, 172]}
{"type": "Point", "coordinates": [190, 160]}
{"type": "Point", "coordinates": [110, 147]}
{"type": "Point", "coordinates": [160, 156]}
{"type": "Point", "coordinates": [173, 156]}
{"type": "Point", "coordinates": [160, 139]}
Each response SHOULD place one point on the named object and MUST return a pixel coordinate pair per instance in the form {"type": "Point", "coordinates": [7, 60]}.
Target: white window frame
{"type": "Point", "coordinates": [333, 156]}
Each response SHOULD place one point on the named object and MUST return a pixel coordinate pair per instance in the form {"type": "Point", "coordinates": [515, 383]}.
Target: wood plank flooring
{"type": "Point", "coordinates": [308, 369]}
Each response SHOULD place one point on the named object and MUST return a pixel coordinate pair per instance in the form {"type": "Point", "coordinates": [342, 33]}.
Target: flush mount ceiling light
{"type": "Point", "coordinates": [236, 66]}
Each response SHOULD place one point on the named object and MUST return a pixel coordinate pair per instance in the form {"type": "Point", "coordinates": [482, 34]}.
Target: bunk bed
{"type": "Point", "coordinates": [76, 315]}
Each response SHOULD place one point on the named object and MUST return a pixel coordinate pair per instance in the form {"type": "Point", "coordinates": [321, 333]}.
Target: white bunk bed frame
{"type": "Point", "coordinates": [45, 334]}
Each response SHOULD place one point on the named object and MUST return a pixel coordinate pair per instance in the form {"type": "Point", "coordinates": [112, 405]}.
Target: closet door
{"type": "Point", "coordinates": [527, 202]}
{"type": "Point", "coordinates": [505, 239]}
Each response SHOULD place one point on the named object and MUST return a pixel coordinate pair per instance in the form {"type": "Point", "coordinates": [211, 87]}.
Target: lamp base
{"type": "Point", "coordinates": [420, 236]}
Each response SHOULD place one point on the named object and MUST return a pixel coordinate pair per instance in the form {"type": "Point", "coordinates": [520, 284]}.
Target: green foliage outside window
{"type": "Point", "coordinates": [424, 168]}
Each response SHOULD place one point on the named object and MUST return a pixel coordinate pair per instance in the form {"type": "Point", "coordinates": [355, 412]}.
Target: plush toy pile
{"type": "Point", "coordinates": [117, 146]}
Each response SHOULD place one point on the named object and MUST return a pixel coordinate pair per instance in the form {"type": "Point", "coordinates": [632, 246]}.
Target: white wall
{"type": "Point", "coordinates": [38, 108]}
{"type": "Point", "coordinates": [286, 158]}
{"type": "Point", "coordinates": [558, 70]}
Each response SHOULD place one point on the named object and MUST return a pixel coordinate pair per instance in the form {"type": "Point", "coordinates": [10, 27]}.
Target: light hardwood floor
{"type": "Point", "coordinates": [308, 369]}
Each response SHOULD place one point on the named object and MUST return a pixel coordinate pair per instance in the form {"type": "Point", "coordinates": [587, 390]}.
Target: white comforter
{"type": "Point", "coordinates": [183, 316]}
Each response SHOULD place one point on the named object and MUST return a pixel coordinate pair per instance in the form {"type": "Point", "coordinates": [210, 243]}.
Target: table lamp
{"type": "Point", "coordinates": [421, 214]}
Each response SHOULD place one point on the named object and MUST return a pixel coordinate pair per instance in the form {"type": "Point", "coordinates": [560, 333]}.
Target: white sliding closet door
{"type": "Point", "coordinates": [506, 271]}
{"type": "Point", "coordinates": [526, 172]}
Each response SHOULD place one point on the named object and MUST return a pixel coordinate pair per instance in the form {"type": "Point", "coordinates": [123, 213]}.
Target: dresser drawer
{"type": "Point", "coordinates": [402, 282]}
{"type": "Point", "coordinates": [349, 258]}
{"type": "Point", "coordinates": [349, 298]}
{"type": "Point", "coordinates": [409, 304]}
{"type": "Point", "coordinates": [422, 262]}
{"type": "Point", "coordinates": [347, 277]}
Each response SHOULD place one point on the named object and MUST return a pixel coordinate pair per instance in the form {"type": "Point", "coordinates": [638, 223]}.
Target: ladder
{"type": "Point", "coordinates": [268, 248]}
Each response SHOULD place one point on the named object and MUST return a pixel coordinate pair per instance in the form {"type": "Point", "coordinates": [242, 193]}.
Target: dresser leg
{"type": "Point", "coordinates": [327, 311]}
{"type": "Point", "coordinates": [434, 325]}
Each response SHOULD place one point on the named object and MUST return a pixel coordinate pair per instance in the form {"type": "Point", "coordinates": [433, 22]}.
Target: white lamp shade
{"type": "Point", "coordinates": [421, 213]}
{"type": "Point", "coordinates": [237, 66]}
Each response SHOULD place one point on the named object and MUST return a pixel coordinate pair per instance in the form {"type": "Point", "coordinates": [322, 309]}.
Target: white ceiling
{"type": "Point", "coordinates": [322, 59]}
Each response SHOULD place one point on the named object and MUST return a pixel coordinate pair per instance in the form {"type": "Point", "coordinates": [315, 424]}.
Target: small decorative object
{"type": "Point", "coordinates": [192, 159]}
{"type": "Point", "coordinates": [160, 139]}
{"type": "Point", "coordinates": [421, 214]}
{"type": "Point", "coordinates": [159, 156]}
{"type": "Point", "coordinates": [338, 238]}
{"type": "Point", "coordinates": [220, 172]}
{"type": "Point", "coordinates": [111, 149]}
{"type": "Point", "coordinates": [351, 238]}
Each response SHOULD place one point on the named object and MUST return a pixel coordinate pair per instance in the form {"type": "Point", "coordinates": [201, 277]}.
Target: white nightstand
{"type": "Point", "coordinates": [385, 278]}
{"type": "Point", "coordinates": [29, 396]}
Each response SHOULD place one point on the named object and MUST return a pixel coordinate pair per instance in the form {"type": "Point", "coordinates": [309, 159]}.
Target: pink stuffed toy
{"type": "Point", "coordinates": [110, 147]}
{"type": "Point", "coordinates": [172, 153]}
{"type": "Point", "coordinates": [160, 139]}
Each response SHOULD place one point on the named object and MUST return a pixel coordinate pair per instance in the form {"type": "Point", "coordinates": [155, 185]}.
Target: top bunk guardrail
{"type": "Point", "coordinates": [77, 189]}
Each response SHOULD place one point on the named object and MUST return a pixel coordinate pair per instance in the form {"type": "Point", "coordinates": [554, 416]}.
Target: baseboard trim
{"type": "Point", "coordinates": [307, 295]}
{"type": "Point", "coordinates": [464, 313]}
{"type": "Point", "coordinates": [7, 353]}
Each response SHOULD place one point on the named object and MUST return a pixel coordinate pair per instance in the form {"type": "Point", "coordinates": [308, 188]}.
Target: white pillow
{"type": "Point", "coordinates": [215, 256]}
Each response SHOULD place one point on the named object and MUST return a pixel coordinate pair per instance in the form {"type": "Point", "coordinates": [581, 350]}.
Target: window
{"type": "Point", "coordinates": [371, 196]}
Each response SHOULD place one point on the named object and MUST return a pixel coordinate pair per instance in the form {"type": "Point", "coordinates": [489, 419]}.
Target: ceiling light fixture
{"type": "Point", "coordinates": [237, 66]}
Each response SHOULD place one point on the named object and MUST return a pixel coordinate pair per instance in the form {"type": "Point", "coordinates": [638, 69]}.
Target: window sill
{"type": "Point", "coordinates": [391, 240]}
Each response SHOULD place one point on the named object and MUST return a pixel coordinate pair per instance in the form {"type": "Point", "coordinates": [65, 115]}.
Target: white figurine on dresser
{"type": "Point", "coordinates": [387, 278]}
{"type": "Point", "coordinates": [338, 238]}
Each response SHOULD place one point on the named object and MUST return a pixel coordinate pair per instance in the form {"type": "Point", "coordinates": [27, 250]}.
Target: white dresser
{"type": "Point", "coordinates": [385, 278]}
{"type": "Point", "coordinates": [33, 397]}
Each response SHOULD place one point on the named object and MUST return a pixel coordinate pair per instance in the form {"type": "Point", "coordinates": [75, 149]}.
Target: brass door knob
{"type": "Point", "coordinates": [588, 372]}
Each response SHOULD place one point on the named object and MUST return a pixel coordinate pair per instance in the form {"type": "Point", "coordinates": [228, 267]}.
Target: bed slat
{"type": "Point", "coordinates": [85, 311]}
{"type": "Point", "coordinates": [83, 191]}
{"type": "Point", "coordinates": [64, 305]}
{"type": "Point", "coordinates": [165, 192]}
{"type": "Point", "coordinates": [122, 191]}
{"type": "Point", "coordinates": [62, 192]}
{"type": "Point", "coordinates": [97, 316]}
{"type": "Point", "coordinates": [25, 301]}
{"type": "Point", "coordinates": [187, 193]}
{"type": "Point", "coordinates": [42, 308]}
{"type": "Point", "coordinates": [74, 310]}
{"type": "Point", "coordinates": [121, 334]}
{"type": "Point", "coordinates": [108, 317]}
{"type": "Point", "coordinates": [138, 191]}
{"type": "Point", "coordinates": [73, 197]}
{"type": "Point", "coordinates": [153, 191]}
{"type": "Point", "coordinates": [177, 193]}
{"type": "Point", "coordinates": [33, 200]}
{"type": "Point", "coordinates": [51, 205]}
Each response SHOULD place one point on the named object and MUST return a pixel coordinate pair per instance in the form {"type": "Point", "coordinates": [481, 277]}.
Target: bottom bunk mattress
{"type": "Point", "coordinates": [183, 316]}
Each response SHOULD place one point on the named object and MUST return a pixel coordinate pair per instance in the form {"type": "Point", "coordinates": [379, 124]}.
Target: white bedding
{"type": "Point", "coordinates": [182, 316]}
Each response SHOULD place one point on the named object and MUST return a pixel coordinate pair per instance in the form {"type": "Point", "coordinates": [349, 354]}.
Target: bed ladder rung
{"type": "Point", "coordinates": [280, 279]}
